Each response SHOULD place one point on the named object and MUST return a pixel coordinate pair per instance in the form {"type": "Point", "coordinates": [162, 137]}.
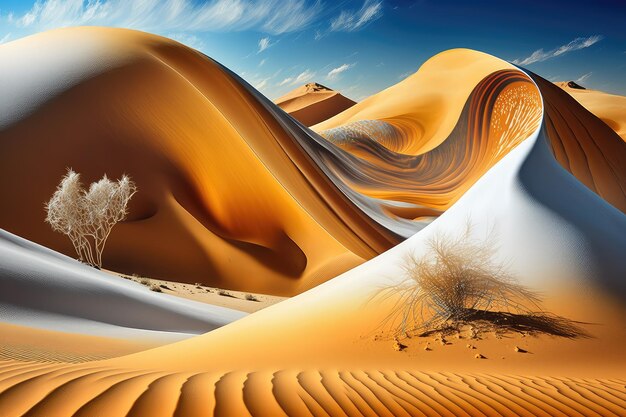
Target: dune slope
{"type": "Point", "coordinates": [45, 289]}
{"type": "Point", "coordinates": [609, 108]}
{"type": "Point", "coordinates": [313, 103]}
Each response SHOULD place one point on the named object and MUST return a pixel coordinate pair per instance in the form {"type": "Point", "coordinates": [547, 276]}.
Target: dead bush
{"type": "Point", "coordinates": [457, 283]}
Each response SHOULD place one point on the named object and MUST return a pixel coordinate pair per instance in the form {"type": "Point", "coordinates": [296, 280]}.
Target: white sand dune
{"type": "Point", "coordinates": [45, 289]}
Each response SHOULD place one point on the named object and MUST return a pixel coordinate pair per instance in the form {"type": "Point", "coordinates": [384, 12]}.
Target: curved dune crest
{"type": "Point", "coordinates": [313, 103]}
{"type": "Point", "coordinates": [225, 194]}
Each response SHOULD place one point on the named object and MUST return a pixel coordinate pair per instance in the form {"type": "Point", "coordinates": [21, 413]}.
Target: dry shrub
{"type": "Point", "coordinates": [88, 216]}
{"type": "Point", "coordinates": [251, 297]}
{"type": "Point", "coordinates": [458, 283]}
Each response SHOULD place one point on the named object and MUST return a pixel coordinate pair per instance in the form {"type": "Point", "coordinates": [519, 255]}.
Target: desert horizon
{"type": "Point", "coordinates": [192, 228]}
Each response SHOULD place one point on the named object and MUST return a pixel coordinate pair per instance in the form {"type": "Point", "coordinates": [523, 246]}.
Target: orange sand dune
{"type": "Point", "coordinates": [235, 194]}
{"type": "Point", "coordinates": [313, 103]}
{"type": "Point", "coordinates": [407, 131]}
{"type": "Point", "coordinates": [226, 196]}
{"type": "Point", "coordinates": [609, 108]}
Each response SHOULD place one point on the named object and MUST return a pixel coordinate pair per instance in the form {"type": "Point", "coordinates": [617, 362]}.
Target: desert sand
{"type": "Point", "coordinates": [503, 150]}
{"type": "Point", "coordinates": [236, 300]}
{"type": "Point", "coordinates": [313, 103]}
{"type": "Point", "coordinates": [609, 108]}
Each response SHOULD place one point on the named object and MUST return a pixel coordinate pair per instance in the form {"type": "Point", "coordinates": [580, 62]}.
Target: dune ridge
{"type": "Point", "coordinates": [610, 108]}
{"type": "Point", "coordinates": [313, 103]}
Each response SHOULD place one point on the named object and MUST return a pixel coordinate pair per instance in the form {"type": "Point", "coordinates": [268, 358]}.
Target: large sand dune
{"type": "Point", "coordinates": [503, 150]}
{"type": "Point", "coordinates": [235, 193]}
{"type": "Point", "coordinates": [313, 103]}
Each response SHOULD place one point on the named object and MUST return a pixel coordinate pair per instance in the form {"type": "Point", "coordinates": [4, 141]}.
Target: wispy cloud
{"type": "Point", "coordinates": [5, 38]}
{"type": "Point", "coordinates": [335, 72]}
{"type": "Point", "coordinates": [405, 74]}
{"type": "Point", "coordinates": [583, 78]}
{"type": "Point", "coordinates": [268, 16]}
{"type": "Point", "coordinates": [263, 61]}
{"type": "Point", "coordinates": [264, 43]}
{"type": "Point", "coordinates": [301, 78]}
{"type": "Point", "coordinates": [262, 84]}
{"type": "Point", "coordinates": [540, 55]}
{"type": "Point", "coordinates": [351, 20]}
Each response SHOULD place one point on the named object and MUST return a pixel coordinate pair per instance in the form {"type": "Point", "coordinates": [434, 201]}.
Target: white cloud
{"type": "Point", "coordinates": [301, 78]}
{"type": "Point", "coordinates": [335, 72]}
{"type": "Point", "coordinates": [540, 55]}
{"type": "Point", "coordinates": [262, 84]}
{"type": "Point", "coordinates": [269, 16]}
{"type": "Point", "coordinates": [349, 21]}
{"type": "Point", "coordinates": [264, 43]}
{"type": "Point", "coordinates": [263, 61]}
{"type": "Point", "coordinates": [583, 78]}
{"type": "Point", "coordinates": [5, 38]}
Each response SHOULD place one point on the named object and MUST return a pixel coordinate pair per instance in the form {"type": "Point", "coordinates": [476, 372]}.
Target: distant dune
{"type": "Point", "coordinates": [609, 108]}
{"type": "Point", "coordinates": [234, 189]}
{"type": "Point", "coordinates": [313, 103]}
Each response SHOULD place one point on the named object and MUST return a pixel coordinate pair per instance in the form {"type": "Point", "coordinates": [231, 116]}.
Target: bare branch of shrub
{"type": "Point", "coordinates": [87, 217]}
{"type": "Point", "coordinates": [458, 282]}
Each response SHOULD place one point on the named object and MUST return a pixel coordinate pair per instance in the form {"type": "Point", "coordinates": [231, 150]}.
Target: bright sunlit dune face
{"type": "Point", "coordinates": [515, 115]}
{"type": "Point", "coordinates": [502, 111]}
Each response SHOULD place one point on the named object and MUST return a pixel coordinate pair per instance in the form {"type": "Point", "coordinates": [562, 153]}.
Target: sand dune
{"type": "Point", "coordinates": [541, 174]}
{"type": "Point", "coordinates": [239, 188]}
{"type": "Point", "coordinates": [405, 130]}
{"type": "Point", "coordinates": [313, 103]}
{"type": "Point", "coordinates": [609, 108]}
{"type": "Point", "coordinates": [44, 289]}
{"type": "Point", "coordinates": [225, 192]}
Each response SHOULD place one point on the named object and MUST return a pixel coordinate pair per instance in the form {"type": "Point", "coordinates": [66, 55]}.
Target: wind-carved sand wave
{"type": "Point", "coordinates": [308, 355]}
{"type": "Point", "coordinates": [500, 112]}
{"type": "Point", "coordinates": [87, 392]}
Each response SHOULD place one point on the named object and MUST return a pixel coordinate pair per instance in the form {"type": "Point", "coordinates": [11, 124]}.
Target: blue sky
{"type": "Point", "coordinates": [362, 46]}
